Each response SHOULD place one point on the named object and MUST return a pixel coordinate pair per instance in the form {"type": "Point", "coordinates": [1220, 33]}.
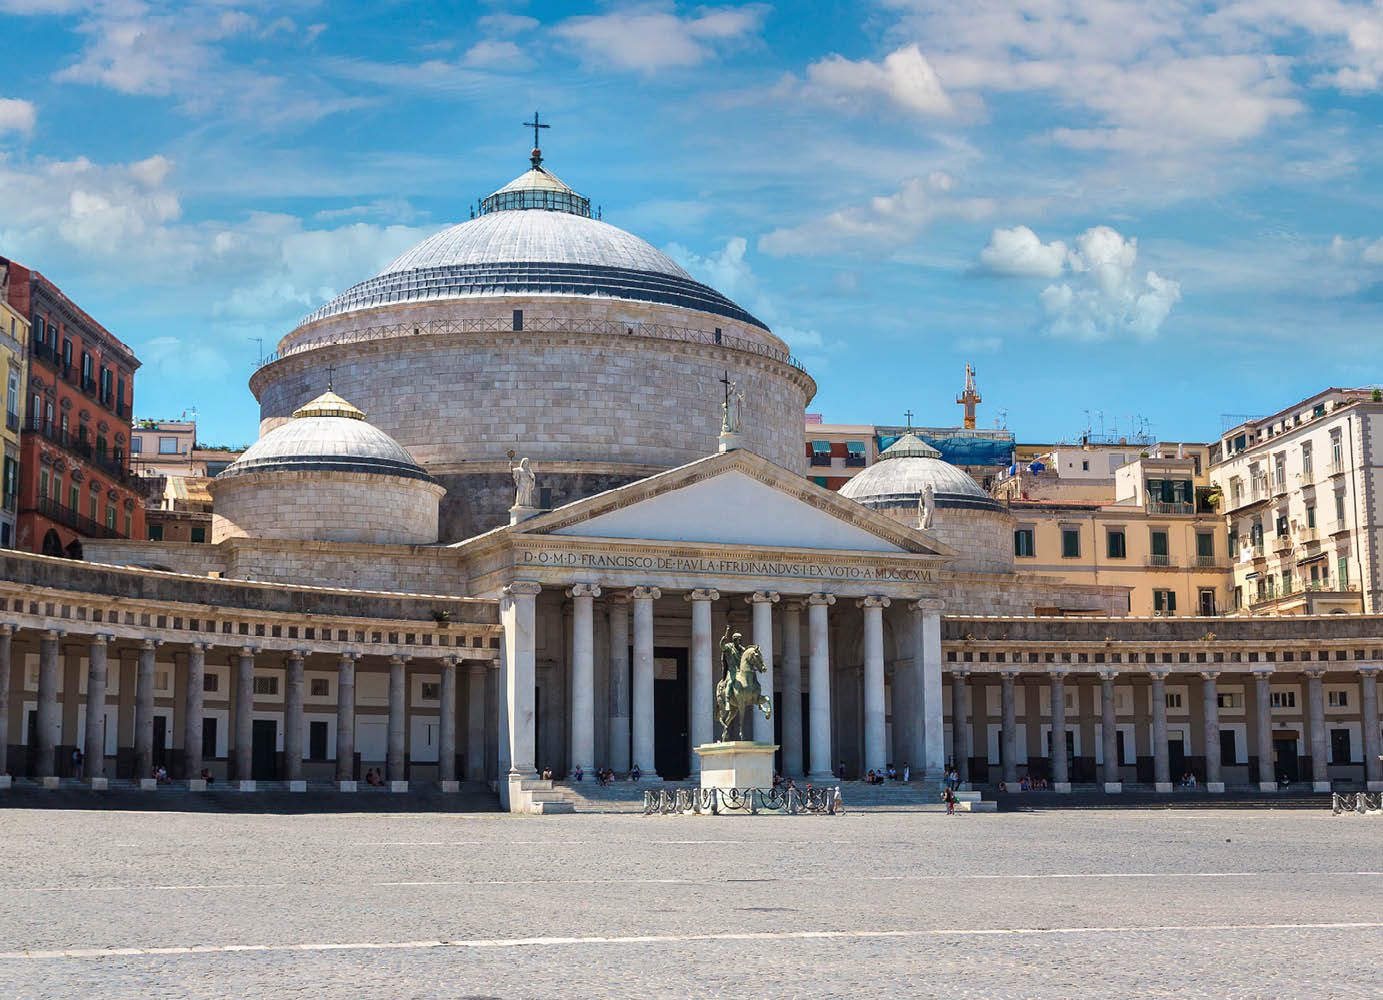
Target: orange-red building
{"type": "Point", "coordinates": [74, 478]}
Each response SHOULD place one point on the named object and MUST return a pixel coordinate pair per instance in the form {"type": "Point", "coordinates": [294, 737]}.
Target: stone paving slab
{"type": "Point", "coordinates": [1136, 903]}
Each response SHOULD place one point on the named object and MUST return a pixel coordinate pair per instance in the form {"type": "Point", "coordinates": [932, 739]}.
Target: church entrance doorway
{"type": "Point", "coordinates": [671, 713]}
{"type": "Point", "coordinates": [1285, 758]}
{"type": "Point", "coordinates": [263, 751]}
{"type": "Point", "coordinates": [160, 747]}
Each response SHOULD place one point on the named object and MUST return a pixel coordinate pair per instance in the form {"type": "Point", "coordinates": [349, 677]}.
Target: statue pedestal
{"type": "Point", "coordinates": [518, 513]}
{"type": "Point", "coordinates": [737, 764]}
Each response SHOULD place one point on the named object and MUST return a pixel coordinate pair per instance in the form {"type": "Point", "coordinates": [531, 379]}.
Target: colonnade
{"type": "Point", "coordinates": [1210, 717]}
{"type": "Point", "coordinates": [631, 735]}
{"type": "Point", "coordinates": [243, 665]}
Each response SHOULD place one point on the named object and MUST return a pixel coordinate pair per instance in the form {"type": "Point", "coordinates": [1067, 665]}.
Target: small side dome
{"type": "Point", "coordinates": [903, 471]}
{"type": "Point", "coordinates": [326, 475]}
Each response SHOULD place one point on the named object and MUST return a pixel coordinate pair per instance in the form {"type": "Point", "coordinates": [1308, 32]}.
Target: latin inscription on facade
{"type": "Point", "coordinates": [728, 567]}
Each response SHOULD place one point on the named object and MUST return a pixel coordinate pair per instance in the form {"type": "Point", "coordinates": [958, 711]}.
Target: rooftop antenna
{"type": "Point", "coordinates": [1003, 416]}
{"type": "Point", "coordinates": [260, 342]}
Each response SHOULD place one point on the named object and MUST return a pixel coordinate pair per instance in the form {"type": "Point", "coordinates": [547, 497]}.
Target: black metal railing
{"type": "Point", "coordinates": [11, 420]}
{"type": "Point", "coordinates": [43, 352]}
{"type": "Point", "coordinates": [83, 449]}
{"type": "Point", "coordinates": [80, 523]}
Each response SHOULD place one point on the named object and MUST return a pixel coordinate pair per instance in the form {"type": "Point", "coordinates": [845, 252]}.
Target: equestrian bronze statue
{"type": "Point", "coordinates": [739, 687]}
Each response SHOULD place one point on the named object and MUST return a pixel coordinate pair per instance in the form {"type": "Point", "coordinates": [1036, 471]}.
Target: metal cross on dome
{"type": "Point", "coordinates": [908, 415]}
{"type": "Point", "coordinates": [536, 124]}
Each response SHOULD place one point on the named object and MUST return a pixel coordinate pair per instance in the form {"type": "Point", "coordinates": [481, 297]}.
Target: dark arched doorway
{"type": "Point", "coordinates": [52, 544]}
{"type": "Point", "coordinates": [74, 551]}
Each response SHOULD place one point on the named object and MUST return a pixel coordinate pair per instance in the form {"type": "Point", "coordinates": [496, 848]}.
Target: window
{"type": "Point", "coordinates": [1207, 602]}
{"type": "Point", "coordinates": [92, 499]}
{"type": "Point", "coordinates": [1070, 543]}
{"type": "Point", "coordinates": [1159, 546]}
{"type": "Point", "coordinates": [42, 482]}
{"type": "Point", "coordinates": [1342, 573]}
{"type": "Point", "coordinates": [1338, 699]}
{"type": "Point", "coordinates": [105, 385]}
{"type": "Point", "coordinates": [136, 445]}
{"type": "Point", "coordinates": [119, 395]}
{"type": "Point", "coordinates": [1023, 543]}
{"type": "Point", "coordinates": [1230, 699]}
{"type": "Point", "coordinates": [1205, 544]}
{"type": "Point", "coordinates": [1084, 466]}
{"type": "Point", "coordinates": [110, 516]}
{"type": "Point", "coordinates": [1340, 508]}
{"type": "Point", "coordinates": [167, 446]}
{"type": "Point", "coordinates": [1164, 602]}
{"type": "Point", "coordinates": [211, 682]}
{"type": "Point", "coordinates": [155, 532]}
{"type": "Point", "coordinates": [1173, 699]}
{"type": "Point", "coordinates": [1310, 517]}
{"type": "Point", "coordinates": [321, 687]}
{"type": "Point", "coordinates": [101, 445]}
{"type": "Point", "coordinates": [1337, 452]}
{"type": "Point", "coordinates": [821, 453]}
{"type": "Point", "coordinates": [161, 680]}
{"type": "Point", "coordinates": [1283, 699]}
{"type": "Point", "coordinates": [1282, 525]}
{"type": "Point", "coordinates": [12, 400]}
{"type": "Point", "coordinates": [266, 684]}
{"type": "Point", "coordinates": [66, 357]}
{"type": "Point", "coordinates": [1339, 746]}
{"type": "Point", "coordinates": [86, 369]}
{"type": "Point", "coordinates": [1306, 462]}
{"type": "Point", "coordinates": [1238, 597]}
{"type": "Point", "coordinates": [854, 453]}
{"type": "Point", "coordinates": [432, 691]}
{"type": "Point", "coordinates": [1116, 543]}
{"type": "Point", "coordinates": [198, 533]}
{"type": "Point", "coordinates": [1234, 544]}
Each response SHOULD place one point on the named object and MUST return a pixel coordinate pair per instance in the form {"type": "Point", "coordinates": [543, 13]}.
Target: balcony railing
{"type": "Point", "coordinates": [1208, 562]}
{"type": "Point", "coordinates": [1279, 485]}
{"type": "Point", "coordinates": [1282, 543]}
{"type": "Point", "coordinates": [819, 459]}
{"type": "Point", "coordinates": [1308, 534]}
{"type": "Point", "coordinates": [1258, 550]}
{"type": "Point", "coordinates": [1175, 507]}
{"type": "Point", "coordinates": [43, 352]}
{"type": "Point", "coordinates": [11, 420]}
{"type": "Point", "coordinates": [80, 523]}
{"type": "Point", "coordinates": [83, 449]}
{"type": "Point", "coordinates": [1161, 560]}
{"type": "Point", "coordinates": [1338, 527]}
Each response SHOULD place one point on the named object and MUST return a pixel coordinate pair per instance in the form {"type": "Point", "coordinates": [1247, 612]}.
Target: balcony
{"type": "Point", "coordinates": [42, 352]}
{"type": "Point", "coordinates": [88, 386]}
{"type": "Point", "coordinates": [1337, 469]}
{"type": "Point", "coordinates": [819, 459]}
{"type": "Point", "coordinates": [1308, 534]}
{"type": "Point", "coordinates": [83, 449]}
{"type": "Point", "coordinates": [1338, 527]}
{"type": "Point", "coordinates": [1176, 507]}
{"type": "Point", "coordinates": [1159, 561]}
{"type": "Point", "coordinates": [11, 421]}
{"type": "Point", "coordinates": [1258, 550]}
{"type": "Point", "coordinates": [1208, 562]}
{"type": "Point", "coordinates": [79, 523]}
{"type": "Point", "coordinates": [1281, 544]}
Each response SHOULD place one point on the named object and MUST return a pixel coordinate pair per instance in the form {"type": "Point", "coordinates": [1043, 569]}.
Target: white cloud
{"type": "Point", "coordinates": [17, 115]}
{"type": "Point", "coordinates": [507, 24]}
{"type": "Point", "coordinates": [904, 79]}
{"type": "Point", "coordinates": [1019, 252]}
{"type": "Point", "coordinates": [882, 224]}
{"type": "Point", "coordinates": [1104, 296]}
{"type": "Point", "coordinates": [646, 39]}
{"type": "Point", "coordinates": [495, 55]}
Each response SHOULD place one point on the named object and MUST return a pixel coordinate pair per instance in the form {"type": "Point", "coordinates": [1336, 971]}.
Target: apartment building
{"type": "Point", "coordinates": [14, 335]}
{"type": "Point", "coordinates": [1299, 491]}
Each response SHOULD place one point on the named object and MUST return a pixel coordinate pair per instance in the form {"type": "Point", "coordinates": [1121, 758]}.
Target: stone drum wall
{"type": "Point", "coordinates": [349, 507]}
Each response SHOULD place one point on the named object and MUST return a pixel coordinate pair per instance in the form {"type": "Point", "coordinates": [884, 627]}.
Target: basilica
{"type": "Point", "coordinates": [507, 495]}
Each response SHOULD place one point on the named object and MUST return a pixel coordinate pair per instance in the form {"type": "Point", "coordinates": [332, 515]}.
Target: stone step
{"type": "Point", "coordinates": [546, 808]}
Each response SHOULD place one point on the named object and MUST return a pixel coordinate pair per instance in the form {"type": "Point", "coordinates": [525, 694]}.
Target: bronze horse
{"type": "Point", "coordinates": [739, 687]}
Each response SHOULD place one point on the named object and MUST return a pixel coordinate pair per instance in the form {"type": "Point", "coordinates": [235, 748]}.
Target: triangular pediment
{"type": "Point", "coordinates": [735, 499]}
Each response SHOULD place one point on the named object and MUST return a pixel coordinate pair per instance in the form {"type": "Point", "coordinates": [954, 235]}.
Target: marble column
{"type": "Point", "coordinates": [1008, 727]}
{"type": "Point", "coordinates": [398, 702]}
{"type": "Point", "coordinates": [475, 722]}
{"type": "Point", "coordinates": [446, 729]}
{"type": "Point", "coordinates": [1267, 773]}
{"type": "Point", "coordinates": [702, 675]}
{"type": "Point", "coordinates": [244, 714]}
{"type": "Point", "coordinates": [1061, 775]}
{"type": "Point", "coordinates": [875, 745]}
{"type": "Point", "coordinates": [619, 683]}
{"type": "Point", "coordinates": [583, 597]}
{"type": "Point", "coordinates": [95, 737]}
{"type": "Point", "coordinates": [1320, 746]}
{"type": "Point", "coordinates": [192, 712]}
{"type": "Point", "coordinates": [48, 717]}
{"type": "Point", "coordinates": [518, 616]}
{"type": "Point", "coordinates": [293, 722]}
{"type": "Point", "coordinates": [819, 673]}
{"type": "Point", "coordinates": [762, 602]}
{"type": "Point", "coordinates": [345, 721]}
{"type": "Point", "coordinates": [144, 712]}
{"type": "Point", "coordinates": [642, 687]}
{"type": "Point", "coordinates": [929, 745]}
{"type": "Point", "coordinates": [1109, 733]}
{"type": "Point", "coordinates": [6, 637]}
{"type": "Point", "coordinates": [1162, 771]}
{"type": "Point", "coordinates": [791, 706]}
{"type": "Point", "coordinates": [1373, 767]}
{"type": "Point", "coordinates": [1210, 707]}
{"type": "Point", "coordinates": [960, 727]}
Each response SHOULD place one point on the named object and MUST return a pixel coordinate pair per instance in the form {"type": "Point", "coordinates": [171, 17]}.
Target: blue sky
{"type": "Point", "coordinates": [1168, 210]}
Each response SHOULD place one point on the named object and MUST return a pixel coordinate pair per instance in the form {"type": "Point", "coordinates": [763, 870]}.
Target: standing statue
{"type": "Point", "coordinates": [525, 485]}
{"type": "Point", "coordinates": [739, 688]}
{"type": "Point", "coordinates": [926, 506]}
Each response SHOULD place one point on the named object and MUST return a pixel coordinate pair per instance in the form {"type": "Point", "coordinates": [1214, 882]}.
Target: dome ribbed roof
{"type": "Point", "coordinates": [903, 471]}
{"type": "Point", "coordinates": [327, 435]}
{"type": "Point", "coordinates": [535, 237]}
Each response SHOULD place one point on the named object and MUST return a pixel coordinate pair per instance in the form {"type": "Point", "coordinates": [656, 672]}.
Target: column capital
{"type": "Point", "coordinates": [350, 655]}
{"type": "Point", "coordinates": [248, 651]}
{"type": "Point", "coordinates": [873, 601]}
{"type": "Point", "coordinates": [1211, 675]}
{"type": "Point", "coordinates": [1315, 673]}
{"type": "Point", "coordinates": [56, 633]}
{"type": "Point", "coordinates": [194, 644]}
{"type": "Point", "coordinates": [1009, 674]}
{"type": "Point", "coordinates": [523, 588]}
{"type": "Point", "coordinates": [99, 639]}
{"type": "Point", "coordinates": [821, 600]}
{"type": "Point", "coordinates": [933, 605]}
{"type": "Point", "coordinates": [296, 654]}
{"type": "Point", "coordinates": [6, 628]}
{"type": "Point", "coordinates": [1264, 670]}
{"type": "Point", "coordinates": [1370, 669]}
{"type": "Point", "coordinates": [645, 593]}
{"type": "Point", "coordinates": [399, 659]}
{"type": "Point", "coordinates": [702, 594]}
{"type": "Point", "coordinates": [1058, 673]}
{"type": "Point", "coordinates": [958, 671]}
{"type": "Point", "coordinates": [1158, 674]}
{"type": "Point", "coordinates": [150, 643]}
{"type": "Point", "coordinates": [583, 590]}
{"type": "Point", "coordinates": [762, 597]}
{"type": "Point", "coordinates": [1108, 673]}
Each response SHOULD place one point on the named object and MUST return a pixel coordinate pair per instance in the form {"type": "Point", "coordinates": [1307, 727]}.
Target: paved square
{"type": "Point", "coordinates": [1099, 903]}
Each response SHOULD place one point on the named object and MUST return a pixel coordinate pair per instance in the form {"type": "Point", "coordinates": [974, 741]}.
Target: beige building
{"type": "Point", "coordinates": [1159, 537]}
{"type": "Point", "coordinates": [1300, 491]}
{"type": "Point", "coordinates": [14, 338]}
